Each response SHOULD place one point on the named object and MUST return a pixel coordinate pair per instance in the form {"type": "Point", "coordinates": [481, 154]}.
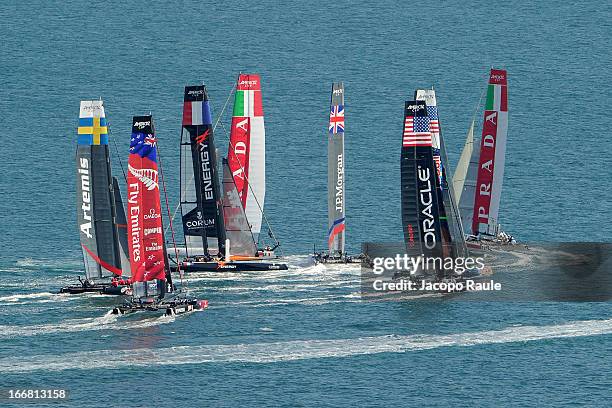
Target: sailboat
{"type": "Point", "coordinates": [219, 235]}
{"type": "Point", "coordinates": [428, 221]}
{"type": "Point", "coordinates": [479, 174]}
{"type": "Point", "coordinates": [100, 212]}
{"type": "Point", "coordinates": [336, 179]}
{"type": "Point", "coordinates": [151, 282]}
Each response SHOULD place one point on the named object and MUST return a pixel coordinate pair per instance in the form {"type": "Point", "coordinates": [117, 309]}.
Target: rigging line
{"type": "Point", "coordinates": [178, 207]}
{"type": "Point", "coordinates": [116, 151]}
{"type": "Point", "coordinates": [161, 171]}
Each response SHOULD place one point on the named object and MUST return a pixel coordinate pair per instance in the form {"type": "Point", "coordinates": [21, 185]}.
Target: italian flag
{"type": "Point", "coordinates": [248, 96]}
{"type": "Point", "coordinates": [497, 91]}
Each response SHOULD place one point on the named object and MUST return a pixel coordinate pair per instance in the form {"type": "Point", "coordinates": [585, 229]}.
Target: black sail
{"type": "Point", "coordinates": [419, 195]}
{"type": "Point", "coordinates": [203, 226]}
{"type": "Point", "coordinates": [95, 194]}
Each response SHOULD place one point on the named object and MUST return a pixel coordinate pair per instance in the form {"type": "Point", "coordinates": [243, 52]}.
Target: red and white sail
{"type": "Point", "coordinates": [479, 174]}
{"type": "Point", "coordinates": [145, 230]}
{"type": "Point", "coordinates": [492, 158]}
{"type": "Point", "coordinates": [247, 148]}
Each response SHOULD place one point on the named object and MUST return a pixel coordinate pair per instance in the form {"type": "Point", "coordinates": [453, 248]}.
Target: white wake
{"type": "Point", "coordinates": [298, 349]}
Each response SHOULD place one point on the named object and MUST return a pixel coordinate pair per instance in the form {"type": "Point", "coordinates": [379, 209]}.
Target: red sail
{"type": "Point", "coordinates": [145, 231]}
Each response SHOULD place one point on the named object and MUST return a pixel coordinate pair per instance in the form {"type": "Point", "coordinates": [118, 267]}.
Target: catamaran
{"type": "Point", "coordinates": [336, 180]}
{"type": "Point", "coordinates": [151, 282]}
{"type": "Point", "coordinates": [479, 174]}
{"type": "Point", "coordinates": [100, 212]}
{"type": "Point", "coordinates": [221, 229]}
{"type": "Point", "coordinates": [430, 219]}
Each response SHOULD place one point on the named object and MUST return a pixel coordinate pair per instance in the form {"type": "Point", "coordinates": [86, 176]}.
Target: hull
{"type": "Point", "coordinates": [343, 259]}
{"type": "Point", "coordinates": [101, 288]}
{"type": "Point", "coordinates": [167, 307]}
{"type": "Point", "coordinates": [237, 266]}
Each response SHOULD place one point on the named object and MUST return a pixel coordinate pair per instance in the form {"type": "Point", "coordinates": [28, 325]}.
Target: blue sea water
{"type": "Point", "coordinates": [304, 337]}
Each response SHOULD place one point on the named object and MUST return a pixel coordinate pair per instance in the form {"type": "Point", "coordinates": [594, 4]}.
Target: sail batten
{"type": "Point", "coordinates": [335, 173]}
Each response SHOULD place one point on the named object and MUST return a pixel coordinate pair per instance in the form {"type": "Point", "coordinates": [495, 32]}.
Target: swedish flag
{"type": "Point", "coordinates": [92, 131]}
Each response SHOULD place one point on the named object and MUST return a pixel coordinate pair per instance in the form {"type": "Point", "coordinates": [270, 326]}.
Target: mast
{"type": "Point", "coordinates": [419, 195]}
{"type": "Point", "coordinates": [95, 194]}
{"type": "Point", "coordinates": [203, 227]}
{"type": "Point", "coordinates": [335, 172]}
{"type": "Point", "coordinates": [145, 229]}
{"type": "Point", "coordinates": [492, 155]}
{"type": "Point", "coordinates": [247, 148]}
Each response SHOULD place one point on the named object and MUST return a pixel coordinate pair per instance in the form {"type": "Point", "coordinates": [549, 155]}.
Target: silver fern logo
{"type": "Point", "coordinates": [148, 177]}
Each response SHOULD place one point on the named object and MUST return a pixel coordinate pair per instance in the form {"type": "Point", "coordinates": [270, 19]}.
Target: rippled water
{"type": "Point", "coordinates": [304, 336]}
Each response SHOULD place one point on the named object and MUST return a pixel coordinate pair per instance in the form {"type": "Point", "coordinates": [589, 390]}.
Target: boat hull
{"type": "Point", "coordinates": [171, 308]}
{"type": "Point", "coordinates": [214, 266]}
{"type": "Point", "coordinates": [101, 288]}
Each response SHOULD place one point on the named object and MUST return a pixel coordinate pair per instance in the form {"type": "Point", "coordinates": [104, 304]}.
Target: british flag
{"type": "Point", "coordinates": [150, 140]}
{"type": "Point", "coordinates": [336, 119]}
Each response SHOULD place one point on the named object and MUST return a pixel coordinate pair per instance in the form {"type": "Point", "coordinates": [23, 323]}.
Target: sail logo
{"type": "Point", "coordinates": [199, 223]}
{"type": "Point", "coordinates": [154, 247]}
{"type": "Point", "coordinates": [340, 184]}
{"type": "Point", "coordinates": [195, 92]}
{"type": "Point", "coordinates": [149, 231]}
{"type": "Point", "coordinates": [498, 77]}
{"type": "Point", "coordinates": [249, 84]}
{"type": "Point", "coordinates": [152, 215]}
{"type": "Point", "coordinates": [428, 96]}
{"type": "Point", "coordinates": [410, 236]}
{"type": "Point", "coordinates": [134, 214]}
{"type": "Point", "coordinates": [415, 108]}
{"type": "Point", "coordinates": [486, 168]}
{"type": "Point", "coordinates": [239, 150]}
{"type": "Point", "coordinates": [426, 202]}
{"type": "Point", "coordinates": [206, 171]}
{"type": "Point", "coordinates": [85, 197]}
{"type": "Point", "coordinates": [338, 91]}
{"type": "Point", "coordinates": [202, 138]}
{"type": "Point", "coordinates": [142, 125]}
{"type": "Point", "coordinates": [148, 177]}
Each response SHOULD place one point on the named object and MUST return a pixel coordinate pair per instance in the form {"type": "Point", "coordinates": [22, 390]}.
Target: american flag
{"type": "Point", "coordinates": [434, 124]}
{"type": "Point", "coordinates": [416, 131]}
{"type": "Point", "coordinates": [336, 119]}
